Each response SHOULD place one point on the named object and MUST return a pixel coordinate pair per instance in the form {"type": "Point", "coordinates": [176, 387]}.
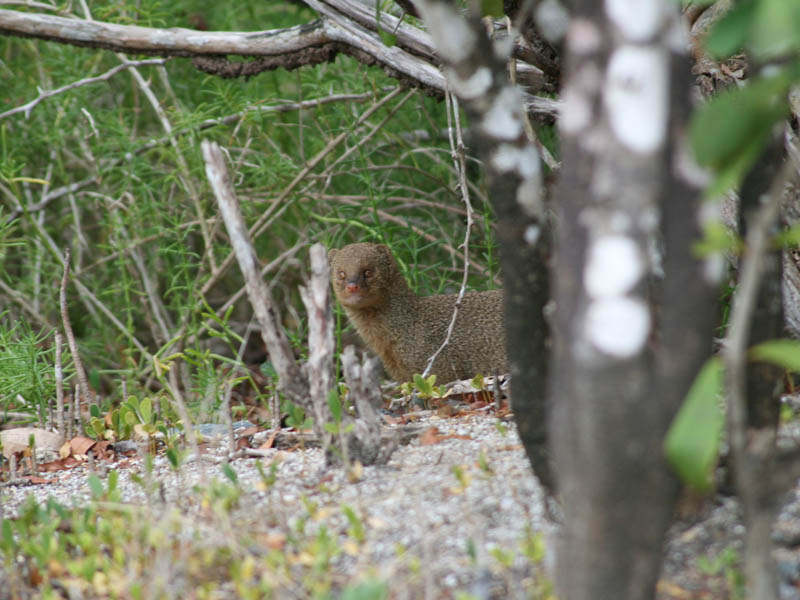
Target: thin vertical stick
{"type": "Point", "coordinates": [73, 346]}
{"type": "Point", "coordinates": [59, 387]}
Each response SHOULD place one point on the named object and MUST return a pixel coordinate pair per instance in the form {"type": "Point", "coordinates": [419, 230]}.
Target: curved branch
{"type": "Point", "coordinates": [343, 28]}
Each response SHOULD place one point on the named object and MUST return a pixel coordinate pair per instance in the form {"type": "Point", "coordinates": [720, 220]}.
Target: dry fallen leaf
{"type": "Point", "coordinates": [81, 445]}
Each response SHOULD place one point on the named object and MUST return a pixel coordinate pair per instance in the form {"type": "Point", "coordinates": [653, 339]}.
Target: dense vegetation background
{"type": "Point", "coordinates": [112, 171]}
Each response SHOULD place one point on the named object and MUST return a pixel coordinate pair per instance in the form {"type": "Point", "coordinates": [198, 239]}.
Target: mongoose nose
{"type": "Point", "coordinates": [352, 287]}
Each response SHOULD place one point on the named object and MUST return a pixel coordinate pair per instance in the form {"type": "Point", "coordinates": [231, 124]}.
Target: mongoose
{"type": "Point", "coordinates": [404, 329]}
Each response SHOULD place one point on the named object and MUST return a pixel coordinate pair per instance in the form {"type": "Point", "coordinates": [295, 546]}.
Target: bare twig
{"type": "Point", "coordinates": [321, 342]}
{"type": "Point", "coordinates": [291, 380]}
{"type": "Point", "coordinates": [73, 346]}
{"type": "Point", "coordinates": [753, 454]}
{"type": "Point", "coordinates": [457, 152]}
{"type": "Point", "coordinates": [59, 377]}
{"type": "Point", "coordinates": [45, 94]}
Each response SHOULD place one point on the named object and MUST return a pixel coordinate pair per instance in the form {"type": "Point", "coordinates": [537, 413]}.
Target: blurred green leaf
{"type": "Point", "coordinates": [692, 442]}
{"type": "Point", "coordinates": [729, 34]}
{"type": "Point", "coordinates": [228, 471]}
{"type": "Point", "coordinates": [492, 8]}
{"type": "Point", "coordinates": [95, 486]}
{"type": "Point", "coordinates": [335, 405]}
{"type": "Point", "coordinates": [784, 353]}
{"type": "Point", "coordinates": [776, 29]}
{"type": "Point", "coordinates": [146, 410]}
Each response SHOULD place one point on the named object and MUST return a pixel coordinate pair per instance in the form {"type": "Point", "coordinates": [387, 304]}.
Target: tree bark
{"type": "Point", "coordinates": [475, 69]}
{"type": "Point", "coordinates": [621, 369]}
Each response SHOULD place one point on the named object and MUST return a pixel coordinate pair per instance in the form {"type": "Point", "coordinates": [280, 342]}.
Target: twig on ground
{"type": "Point", "coordinates": [59, 377]}
{"type": "Point", "coordinates": [73, 345]}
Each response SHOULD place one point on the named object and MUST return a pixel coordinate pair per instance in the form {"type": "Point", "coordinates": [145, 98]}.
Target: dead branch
{"type": "Point", "coordinates": [321, 342]}
{"type": "Point", "coordinates": [291, 379]}
{"type": "Point", "coordinates": [83, 383]}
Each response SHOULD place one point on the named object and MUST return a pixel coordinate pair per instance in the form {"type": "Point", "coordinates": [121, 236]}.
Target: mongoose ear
{"type": "Point", "coordinates": [331, 253]}
{"type": "Point", "coordinates": [384, 249]}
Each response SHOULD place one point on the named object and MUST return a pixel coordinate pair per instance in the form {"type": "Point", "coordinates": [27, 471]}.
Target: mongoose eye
{"type": "Point", "coordinates": [368, 273]}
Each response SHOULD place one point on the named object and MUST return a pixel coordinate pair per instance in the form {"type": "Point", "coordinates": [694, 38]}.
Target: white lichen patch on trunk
{"type": "Point", "coordinates": [450, 32]}
{"type": "Point", "coordinates": [474, 86]}
{"type": "Point", "coordinates": [529, 196]}
{"type": "Point", "coordinates": [584, 37]}
{"type": "Point", "coordinates": [616, 322]}
{"type": "Point", "coordinates": [614, 266]}
{"type": "Point", "coordinates": [552, 19]}
{"type": "Point", "coordinates": [521, 160]}
{"type": "Point", "coordinates": [618, 326]}
{"type": "Point", "coordinates": [576, 113]}
{"type": "Point", "coordinates": [636, 97]}
{"type": "Point", "coordinates": [503, 120]}
{"type": "Point", "coordinates": [532, 234]}
{"type": "Point", "coordinates": [637, 20]}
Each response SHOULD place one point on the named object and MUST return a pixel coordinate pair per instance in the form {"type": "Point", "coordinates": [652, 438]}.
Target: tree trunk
{"type": "Point", "coordinates": [621, 368]}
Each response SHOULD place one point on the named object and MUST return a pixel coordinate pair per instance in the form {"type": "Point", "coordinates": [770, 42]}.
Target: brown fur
{"type": "Point", "coordinates": [404, 329]}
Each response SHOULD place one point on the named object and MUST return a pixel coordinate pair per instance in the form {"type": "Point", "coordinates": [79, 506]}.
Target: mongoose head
{"type": "Point", "coordinates": [362, 274]}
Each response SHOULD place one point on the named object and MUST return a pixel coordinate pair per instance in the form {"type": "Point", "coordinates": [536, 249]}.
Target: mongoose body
{"type": "Point", "coordinates": [404, 329]}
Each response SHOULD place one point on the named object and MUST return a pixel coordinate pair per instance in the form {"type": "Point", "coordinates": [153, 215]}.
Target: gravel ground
{"type": "Point", "coordinates": [418, 502]}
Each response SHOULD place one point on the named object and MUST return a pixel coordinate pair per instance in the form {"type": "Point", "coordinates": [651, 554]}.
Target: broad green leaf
{"type": "Point", "coordinates": [94, 411]}
{"type": "Point", "coordinates": [788, 238]}
{"type": "Point", "coordinates": [8, 535]}
{"type": "Point", "coordinates": [146, 410]}
{"type": "Point", "coordinates": [692, 442]}
{"type": "Point", "coordinates": [335, 405]}
{"type": "Point", "coordinates": [113, 477]}
{"type": "Point", "coordinates": [492, 8]}
{"type": "Point", "coordinates": [366, 590]}
{"type": "Point", "coordinates": [730, 33]}
{"type": "Point", "coordinates": [737, 122]}
{"type": "Point", "coordinates": [94, 378]}
{"type": "Point", "coordinates": [228, 471]}
{"type": "Point", "coordinates": [95, 485]}
{"type": "Point", "coordinates": [775, 28]}
{"type": "Point", "coordinates": [716, 238]}
{"type": "Point", "coordinates": [172, 457]}
{"type": "Point", "coordinates": [784, 353]}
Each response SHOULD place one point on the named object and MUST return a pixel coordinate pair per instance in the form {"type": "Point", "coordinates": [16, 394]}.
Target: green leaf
{"type": "Point", "coordinates": [94, 378]}
{"type": "Point", "coordinates": [734, 126]}
{"type": "Point", "coordinates": [146, 410]}
{"type": "Point", "coordinates": [366, 590]}
{"type": "Point", "coordinates": [335, 405]}
{"type": "Point", "coordinates": [692, 443]}
{"type": "Point", "coordinates": [389, 39]}
{"type": "Point", "coordinates": [332, 428]}
{"type": "Point", "coordinates": [228, 471]}
{"type": "Point", "coordinates": [113, 477]}
{"type": "Point", "coordinates": [95, 486]}
{"type": "Point", "coordinates": [730, 33]}
{"type": "Point", "coordinates": [8, 535]}
{"type": "Point", "coordinates": [94, 411]}
{"type": "Point", "coordinates": [775, 28]}
{"type": "Point", "coordinates": [172, 457]}
{"type": "Point", "coordinates": [784, 353]}
{"type": "Point", "coordinates": [492, 8]}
